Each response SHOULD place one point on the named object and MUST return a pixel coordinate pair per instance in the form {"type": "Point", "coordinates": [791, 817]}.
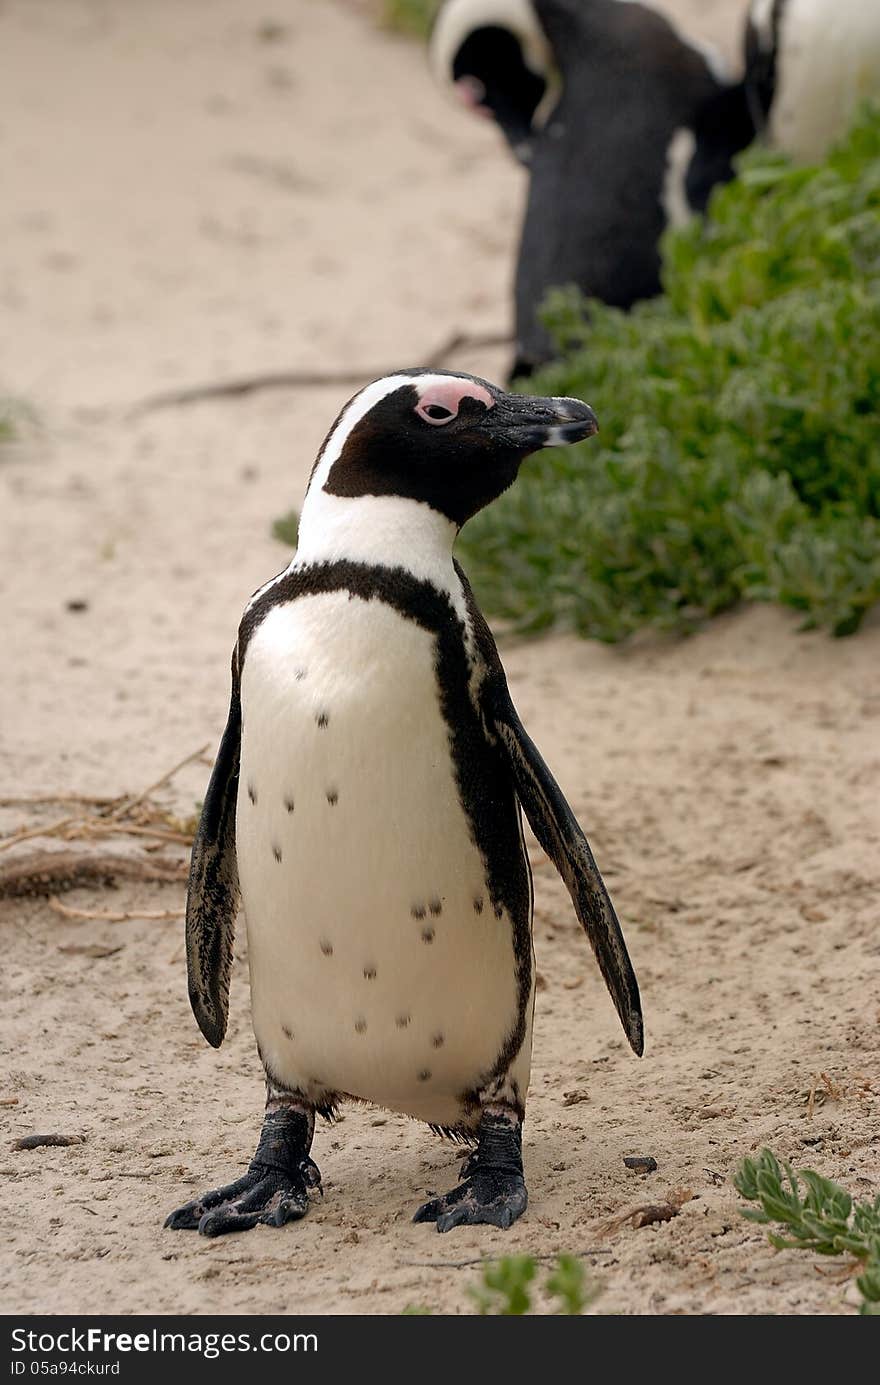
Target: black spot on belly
{"type": "Point", "coordinates": [478, 904]}
{"type": "Point", "coordinates": [427, 935]}
{"type": "Point", "coordinates": [402, 1021]}
{"type": "Point", "coordinates": [322, 719]}
{"type": "Point", "coordinates": [288, 1033]}
{"type": "Point", "coordinates": [438, 1041]}
{"type": "Point", "coordinates": [424, 1075]}
{"type": "Point", "coordinates": [418, 911]}
{"type": "Point", "coordinates": [360, 1025]}
{"type": "Point", "coordinates": [332, 797]}
{"type": "Point", "coordinates": [435, 906]}
{"type": "Point", "coordinates": [326, 947]}
{"type": "Point", "coordinates": [369, 973]}
{"type": "Point", "coordinates": [276, 852]}
{"type": "Point", "coordinates": [252, 793]}
{"type": "Point", "coordinates": [289, 804]}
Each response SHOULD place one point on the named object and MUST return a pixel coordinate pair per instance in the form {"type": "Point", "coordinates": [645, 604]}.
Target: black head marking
{"type": "Point", "coordinates": [360, 1025]}
{"type": "Point", "coordinates": [332, 797]}
{"type": "Point", "coordinates": [322, 719]}
{"type": "Point", "coordinates": [418, 911]}
{"type": "Point", "coordinates": [453, 442]}
{"type": "Point", "coordinates": [326, 947]}
{"type": "Point", "coordinates": [403, 1021]}
{"type": "Point", "coordinates": [435, 906]}
{"type": "Point", "coordinates": [369, 973]}
{"type": "Point", "coordinates": [276, 852]}
{"type": "Point", "coordinates": [289, 804]}
{"type": "Point", "coordinates": [438, 1041]}
{"type": "Point", "coordinates": [428, 935]}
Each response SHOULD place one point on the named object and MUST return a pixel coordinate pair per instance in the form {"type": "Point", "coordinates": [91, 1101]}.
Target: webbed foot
{"type": "Point", "coordinates": [274, 1190]}
{"type": "Point", "coordinates": [493, 1190]}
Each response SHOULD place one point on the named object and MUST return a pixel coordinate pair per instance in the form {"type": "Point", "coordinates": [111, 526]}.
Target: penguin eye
{"type": "Point", "coordinates": [435, 413]}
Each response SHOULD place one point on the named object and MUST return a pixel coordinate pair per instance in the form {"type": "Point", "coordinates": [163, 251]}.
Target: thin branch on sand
{"type": "Point", "coordinates": [126, 805]}
{"type": "Point", "coordinates": [305, 379]}
{"type": "Point", "coordinates": [114, 915]}
{"type": "Point", "coordinates": [133, 815]}
{"type": "Point", "coordinates": [43, 873]}
{"type": "Point", "coordinates": [485, 1260]}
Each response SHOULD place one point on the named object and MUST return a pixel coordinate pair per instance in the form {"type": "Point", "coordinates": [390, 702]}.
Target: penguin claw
{"type": "Point", "coordinates": [264, 1196]}
{"type": "Point", "coordinates": [487, 1197]}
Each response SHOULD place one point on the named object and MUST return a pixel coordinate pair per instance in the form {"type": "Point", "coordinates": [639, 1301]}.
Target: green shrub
{"type": "Point", "coordinates": [822, 1217]}
{"type": "Point", "coordinates": [739, 456]}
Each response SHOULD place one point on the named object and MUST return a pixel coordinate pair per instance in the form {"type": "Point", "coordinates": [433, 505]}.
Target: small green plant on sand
{"type": "Point", "coordinates": [286, 528]}
{"type": "Point", "coordinates": [815, 1214]}
{"type": "Point", "coordinates": [505, 1289]}
{"type": "Point", "coordinates": [17, 419]}
{"type": "Point", "coordinates": [413, 17]}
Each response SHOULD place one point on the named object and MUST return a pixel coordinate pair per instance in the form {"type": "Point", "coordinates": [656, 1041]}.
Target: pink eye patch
{"type": "Point", "coordinates": [440, 400]}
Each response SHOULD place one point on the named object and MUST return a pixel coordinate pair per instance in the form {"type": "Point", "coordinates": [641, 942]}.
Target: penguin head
{"type": "Point", "coordinates": [451, 441]}
{"type": "Point", "coordinates": [496, 58]}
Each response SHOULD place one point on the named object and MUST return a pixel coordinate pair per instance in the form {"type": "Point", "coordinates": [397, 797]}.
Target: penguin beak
{"type": "Point", "coordinates": [530, 423]}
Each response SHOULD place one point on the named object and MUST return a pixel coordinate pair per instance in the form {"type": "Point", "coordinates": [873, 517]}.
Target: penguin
{"type": "Point", "coordinates": [808, 65]}
{"type": "Point", "coordinates": [365, 808]}
{"type": "Point", "coordinates": [625, 124]}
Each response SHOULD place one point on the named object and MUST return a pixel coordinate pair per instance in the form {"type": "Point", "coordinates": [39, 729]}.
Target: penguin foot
{"type": "Point", "coordinates": [274, 1190]}
{"type": "Point", "coordinates": [493, 1191]}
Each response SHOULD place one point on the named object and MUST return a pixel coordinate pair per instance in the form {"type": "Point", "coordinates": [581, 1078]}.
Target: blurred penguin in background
{"type": "Point", "coordinates": [809, 63]}
{"type": "Point", "coordinates": [625, 125]}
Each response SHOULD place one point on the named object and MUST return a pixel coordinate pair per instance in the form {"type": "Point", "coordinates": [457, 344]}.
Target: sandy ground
{"type": "Point", "coordinates": [194, 192]}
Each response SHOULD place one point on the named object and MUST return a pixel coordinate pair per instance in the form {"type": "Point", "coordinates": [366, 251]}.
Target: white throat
{"type": "Point", "coordinates": [380, 530]}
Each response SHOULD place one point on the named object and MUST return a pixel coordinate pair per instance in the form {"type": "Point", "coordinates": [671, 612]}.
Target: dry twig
{"type": "Point", "coordinates": [46, 872]}
{"type": "Point", "coordinates": [114, 915]}
{"type": "Point", "coordinates": [304, 379]}
{"type": "Point", "coordinates": [484, 1259]}
{"type": "Point", "coordinates": [126, 805]}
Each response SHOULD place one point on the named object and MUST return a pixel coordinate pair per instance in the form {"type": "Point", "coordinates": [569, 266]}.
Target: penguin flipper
{"type": "Point", "coordinates": [212, 893]}
{"type": "Point", "coordinates": [558, 831]}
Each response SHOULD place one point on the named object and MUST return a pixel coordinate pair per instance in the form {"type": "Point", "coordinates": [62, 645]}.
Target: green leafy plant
{"type": "Point", "coordinates": [819, 1216]}
{"type": "Point", "coordinates": [17, 419]}
{"type": "Point", "coordinates": [504, 1290]}
{"type": "Point", "coordinates": [286, 528]}
{"type": "Point", "coordinates": [739, 457]}
{"type": "Point", "coordinates": [409, 16]}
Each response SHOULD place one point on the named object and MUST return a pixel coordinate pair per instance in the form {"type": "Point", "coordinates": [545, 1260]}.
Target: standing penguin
{"type": "Point", "coordinates": [365, 804]}
{"type": "Point", "coordinates": [625, 124]}
{"type": "Point", "coordinates": [808, 65]}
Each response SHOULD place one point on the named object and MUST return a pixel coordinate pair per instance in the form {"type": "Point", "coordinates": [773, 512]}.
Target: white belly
{"type": "Point", "coordinates": [378, 965]}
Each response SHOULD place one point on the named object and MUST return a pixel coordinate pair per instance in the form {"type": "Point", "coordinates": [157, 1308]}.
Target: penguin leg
{"type": "Point", "coordinates": [275, 1188]}
{"type": "Point", "coordinates": [493, 1189]}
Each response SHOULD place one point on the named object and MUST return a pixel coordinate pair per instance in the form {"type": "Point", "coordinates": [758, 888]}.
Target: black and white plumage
{"type": "Point", "coordinates": [365, 803]}
{"type": "Point", "coordinates": [626, 126]}
{"type": "Point", "coordinates": [808, 65]}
